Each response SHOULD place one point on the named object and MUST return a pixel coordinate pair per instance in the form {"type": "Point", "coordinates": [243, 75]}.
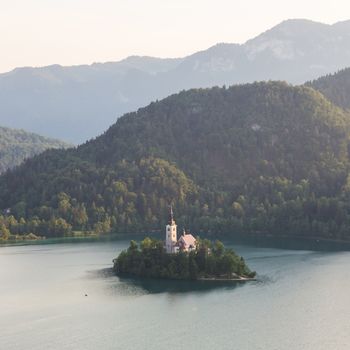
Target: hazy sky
{"type": "Point", "coordinates": [43, 32]}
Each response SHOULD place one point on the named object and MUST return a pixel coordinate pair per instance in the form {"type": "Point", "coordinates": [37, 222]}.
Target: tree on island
{"type": "Point", "coordinates": [209, 260]}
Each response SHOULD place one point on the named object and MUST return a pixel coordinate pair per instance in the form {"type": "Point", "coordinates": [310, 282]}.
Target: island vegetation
{"type": "Point", "coordinates": [256, 159]}
{"type": "Point", "coordinates": [209, 261]}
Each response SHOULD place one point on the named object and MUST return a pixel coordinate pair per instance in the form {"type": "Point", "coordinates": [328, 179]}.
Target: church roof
{"type": "Point", "coordinates": [189, 240]}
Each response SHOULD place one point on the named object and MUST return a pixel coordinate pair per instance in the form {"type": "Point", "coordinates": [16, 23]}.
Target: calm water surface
{"type": "Point", "coordinates": [301, 301]}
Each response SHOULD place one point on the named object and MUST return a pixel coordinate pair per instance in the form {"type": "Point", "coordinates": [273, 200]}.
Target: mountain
{"type": "Point", "coordinates": [257, 158]}
{"type": "Point", "coordinates": [79, 102]}
{"type": "Point", "coordinates": [17, 145]}
{"type": "Point", "coordinates": [336, 87]}
{"type": "Point", "coordinates": [294, 51]}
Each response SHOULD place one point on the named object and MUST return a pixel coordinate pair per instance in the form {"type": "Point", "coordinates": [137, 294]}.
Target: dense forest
{"type": "Point", "coordinates": [208, 260]}
{"type": "Point", "coordinates": [17, 145]}
{"type": "Point", "coordinates": [336, 87]}
{"type": "Point", "coordinates": [262, 158]}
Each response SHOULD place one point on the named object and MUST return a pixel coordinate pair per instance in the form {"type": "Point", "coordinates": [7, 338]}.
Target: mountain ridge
{"type": "Point", "coordinates": [336, 87]}
{"type": "Point", "coordinates": [78, 103]}
{"type": "Point", "coordinates": [16, 145]}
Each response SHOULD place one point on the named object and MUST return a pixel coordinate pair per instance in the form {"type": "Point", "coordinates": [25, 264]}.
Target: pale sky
{"type": "Point", "coordinates": [67, 32]}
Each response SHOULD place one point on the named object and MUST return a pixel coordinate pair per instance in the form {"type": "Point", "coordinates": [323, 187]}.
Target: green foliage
{"type": "Point", "coordinates": [208, 261]}
{"type": "Point", "coordinates": [336, 87]}
{"type": "Point", "coordinates": [5, 232]}
{"type": "Point", "coordinates": [130, 197]}
{"type": "Point", "coordinates": [258, 158]}
{"type": "Point", "coordinates": [13, 230]}
{"type": "Point", "coordinates": [18, 145]}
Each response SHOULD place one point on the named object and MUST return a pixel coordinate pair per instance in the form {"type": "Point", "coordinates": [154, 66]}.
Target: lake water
{"type": "Point", "coordinates": [300, 301]}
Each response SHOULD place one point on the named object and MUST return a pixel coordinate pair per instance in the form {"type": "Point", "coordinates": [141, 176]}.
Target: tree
{"type": "Point", "coordinates": [237, 210]}
{"type": "Point", "coordinates": [218, 248]}
{"type": "Point", "coordinates": [193, 268]}
{"type": "Point", "coordinates": [5, 232]}
{"type": "Point", "coordinates": [79, 215]}
{"type": "Point", "coordinates": [146, 244]}
{"type": "Point", "coordinates": [227, 264]}
{"type": "Point", "coordinates": [133, 246]}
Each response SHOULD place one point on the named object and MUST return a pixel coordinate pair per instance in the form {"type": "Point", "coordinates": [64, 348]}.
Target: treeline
{"type": "Point", "coordinates": [209, 260]}
{"type": "Point", "coordinates": [133, 197]}
{"type": "Point", "coordinates": [336, 87]}
{"type": "Point", "coordinates": [11, 229]}
{"type": "Point", "coordinates": [264, 158]}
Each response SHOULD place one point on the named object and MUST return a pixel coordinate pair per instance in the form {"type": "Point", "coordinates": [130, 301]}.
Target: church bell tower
{"type": "Point", "coordinates": [170, 233]}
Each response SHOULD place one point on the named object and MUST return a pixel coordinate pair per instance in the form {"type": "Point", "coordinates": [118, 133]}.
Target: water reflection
{"type": "Point", "coordinates": [105, 273]}
{"type": "Point", "coordinates": [136, 286]}
{"type": "Point", "coordinates": [171, 286]}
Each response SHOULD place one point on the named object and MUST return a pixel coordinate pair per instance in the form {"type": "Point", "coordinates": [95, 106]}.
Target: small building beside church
{"type": "Point", "coordinates": [185, 243]}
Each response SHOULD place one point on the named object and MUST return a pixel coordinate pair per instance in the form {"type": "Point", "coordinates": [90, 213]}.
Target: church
{"type": "Point", "coordinates": [173, 245]}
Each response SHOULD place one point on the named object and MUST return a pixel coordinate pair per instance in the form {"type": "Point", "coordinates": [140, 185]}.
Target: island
{"type": "Point", "coordinates": [186, 258]}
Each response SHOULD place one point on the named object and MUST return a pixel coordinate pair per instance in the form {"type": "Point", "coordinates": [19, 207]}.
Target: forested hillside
{"type": "Point", "coordinates": [336, 87]}
{"type": "Point", "coordinates": [257, 158]}
{"type": "Point", "coordinates": [17, 145]}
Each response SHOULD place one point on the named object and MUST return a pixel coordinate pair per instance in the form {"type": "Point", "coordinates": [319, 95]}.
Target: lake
{"type": "Point", "coordinates": [63, 296]}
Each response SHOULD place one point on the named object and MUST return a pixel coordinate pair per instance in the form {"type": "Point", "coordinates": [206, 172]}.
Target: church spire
{"type": "Point", "coordinates": [171, 215]}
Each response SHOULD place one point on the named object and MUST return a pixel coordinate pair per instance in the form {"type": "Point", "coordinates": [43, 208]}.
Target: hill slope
{"type": "Point", "coordinates": [259, 158]}
{"type": "Point", "coordinates": [79, 102]}
{"type": "Point", "coordinates": [17, 145]}
{"type": "Point", "coordinates": [336, 87]}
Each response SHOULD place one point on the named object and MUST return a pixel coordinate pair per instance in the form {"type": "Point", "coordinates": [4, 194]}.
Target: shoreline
{"type": "Point", "coordinates": [200, 279]}
{"type": "Point", "coordinates": [223, 279]}
{"type": "Point", "coordinates": [261, 240]}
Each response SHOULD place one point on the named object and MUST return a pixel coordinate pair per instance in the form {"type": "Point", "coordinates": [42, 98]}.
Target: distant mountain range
{"type": "Point", "coordinates": [79, 102]}
{"type": "Point", "coordinates": [17, 145]}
